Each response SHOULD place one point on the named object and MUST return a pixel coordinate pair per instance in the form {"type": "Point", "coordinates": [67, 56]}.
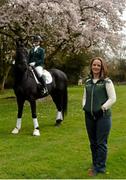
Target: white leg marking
{"type": "Point", "coordinates": [59, 115]}
{"type": "Point", "coordinates": [35, 123]}
{"type": "Point", "coordinates": [18, 124]}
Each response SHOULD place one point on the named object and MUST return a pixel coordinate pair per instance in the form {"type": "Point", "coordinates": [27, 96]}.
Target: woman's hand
{"type": "Point", "coordinates": [103, 108]}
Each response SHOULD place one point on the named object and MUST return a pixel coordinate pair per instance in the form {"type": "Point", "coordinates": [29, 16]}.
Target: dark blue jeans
{"type": "Point", "coordinates": [98, 129]}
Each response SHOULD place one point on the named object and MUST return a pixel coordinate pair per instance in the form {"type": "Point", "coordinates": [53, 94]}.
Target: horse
{"type": "Point", "coordinates": [26, 88]}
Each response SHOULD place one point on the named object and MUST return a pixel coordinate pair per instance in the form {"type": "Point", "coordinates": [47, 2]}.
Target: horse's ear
{"type": "Point", "coordinates": [19, 42]}
{"type": "Point", "coordinates": [26, 42]}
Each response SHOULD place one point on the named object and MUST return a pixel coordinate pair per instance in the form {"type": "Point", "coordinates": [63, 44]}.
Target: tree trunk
{"type": "Point", "coordinates": [2, 84]}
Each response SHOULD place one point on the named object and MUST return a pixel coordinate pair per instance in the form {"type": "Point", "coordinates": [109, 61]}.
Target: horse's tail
{"type": "Point", "coordinates": [65, 101]}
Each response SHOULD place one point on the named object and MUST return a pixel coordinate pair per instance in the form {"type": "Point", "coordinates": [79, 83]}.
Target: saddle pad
{"type": "Point", "coordinates": [47, 76]}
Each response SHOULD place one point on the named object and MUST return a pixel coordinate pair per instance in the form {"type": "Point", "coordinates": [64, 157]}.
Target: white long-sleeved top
{"type": "Point", "coordinates": [110, 92]}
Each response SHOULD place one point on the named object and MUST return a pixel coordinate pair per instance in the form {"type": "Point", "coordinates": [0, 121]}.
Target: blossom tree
{"type": "Point", "coordinates": [69, 25]}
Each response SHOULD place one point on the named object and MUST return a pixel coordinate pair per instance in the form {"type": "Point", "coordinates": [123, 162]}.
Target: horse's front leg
{"type": "Point", "coordinates": [20, 103]}
{"type": "Point", "coordinates": [34, 117]}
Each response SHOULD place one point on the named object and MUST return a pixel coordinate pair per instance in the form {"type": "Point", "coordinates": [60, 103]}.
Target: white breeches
{"type": "Point", "coordinates": [39, 70]}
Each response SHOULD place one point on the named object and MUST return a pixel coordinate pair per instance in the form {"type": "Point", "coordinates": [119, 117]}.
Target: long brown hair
{"type": "Point", "coordinates": [104, 69]}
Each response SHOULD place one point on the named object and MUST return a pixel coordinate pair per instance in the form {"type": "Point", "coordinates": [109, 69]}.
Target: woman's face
{"type": "Point", "coordinates": [96, 67]}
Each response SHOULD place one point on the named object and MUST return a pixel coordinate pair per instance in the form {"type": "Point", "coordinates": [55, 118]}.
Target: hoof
{"type": "Point", "coordinates": [36, 132]}
{"type": "Point", "coordinates": [58, 122]}
{"type": "Point", "coordinates": [15, 131]}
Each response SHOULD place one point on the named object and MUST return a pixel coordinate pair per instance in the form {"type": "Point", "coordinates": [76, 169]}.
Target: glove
{"type": "Point", "coordinates": [32, 64]}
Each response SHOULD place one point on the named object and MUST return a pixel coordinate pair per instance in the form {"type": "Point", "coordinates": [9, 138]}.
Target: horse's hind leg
{"type": "Point", "coordinates": [20, 104]}
{"type": "Point", "coordinates": [34, 117]}
{"type": "Point", "coordinates": [59, 117]}
{"type": "Point", "coordinates": [57, 98]}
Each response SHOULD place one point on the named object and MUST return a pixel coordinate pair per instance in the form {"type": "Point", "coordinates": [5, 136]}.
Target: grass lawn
{"type": "Point", "coordinates": [59, 153]}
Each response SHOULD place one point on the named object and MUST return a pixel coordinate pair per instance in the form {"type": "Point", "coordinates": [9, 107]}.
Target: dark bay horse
{"type": "Point", "coordinates": [26, 88]}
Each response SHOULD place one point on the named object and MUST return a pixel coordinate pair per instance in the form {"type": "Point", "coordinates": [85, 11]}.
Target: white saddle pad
{"type": "Point", "coordinates": [47, 76]}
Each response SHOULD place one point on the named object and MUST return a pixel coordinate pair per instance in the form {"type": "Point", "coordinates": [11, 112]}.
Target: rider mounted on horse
{"type": "Point", "coordinates": [36, 60]}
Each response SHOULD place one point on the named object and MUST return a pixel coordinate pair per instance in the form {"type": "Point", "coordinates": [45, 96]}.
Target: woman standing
{"type": "Point", "coordinates": [99, 96]}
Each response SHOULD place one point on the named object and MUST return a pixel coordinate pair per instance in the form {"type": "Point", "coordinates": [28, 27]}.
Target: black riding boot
{"type": "Point", "coordinates": [44, 87]}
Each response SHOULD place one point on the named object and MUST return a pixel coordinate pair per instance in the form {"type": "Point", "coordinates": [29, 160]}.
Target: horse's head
{"type": "Point", "coordinates": [21, 56]}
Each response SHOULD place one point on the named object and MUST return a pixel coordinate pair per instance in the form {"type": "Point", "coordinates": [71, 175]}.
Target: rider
{"type": "Point", "coordinates": [36, 59]}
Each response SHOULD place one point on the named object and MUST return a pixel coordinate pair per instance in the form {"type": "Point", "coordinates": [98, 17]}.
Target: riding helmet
{"type": "Point", "coordinates": [37, 38]}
